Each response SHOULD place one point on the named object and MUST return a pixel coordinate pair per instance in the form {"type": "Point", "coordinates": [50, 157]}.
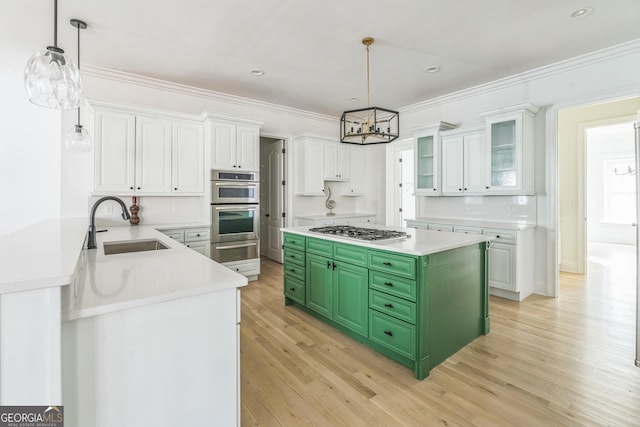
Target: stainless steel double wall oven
{"type": "Point", "coordinates": [235, 215]}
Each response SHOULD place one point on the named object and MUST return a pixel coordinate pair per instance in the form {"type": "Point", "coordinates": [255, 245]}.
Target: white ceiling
{"type": "Point", "coordinates": [311, 51]}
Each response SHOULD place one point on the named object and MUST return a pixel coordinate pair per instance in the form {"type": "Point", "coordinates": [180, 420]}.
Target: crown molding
{"type": "Point", "coordinates": [167, 86]}
{"type": "Point", "coordinates": [617, 51]}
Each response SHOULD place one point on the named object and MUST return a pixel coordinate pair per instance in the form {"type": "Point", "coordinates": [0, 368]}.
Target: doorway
{"type": "Point", "coordinates": [272, 196]}
{"type": "Point", "coordinates": [403, 207]}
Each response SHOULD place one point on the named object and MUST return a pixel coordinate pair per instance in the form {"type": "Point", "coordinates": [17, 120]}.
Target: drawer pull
{"type": "Point", "coordinates": [389, 333]}
{"type": "Point", "coordinates": [388, 284]}
{"type": "Point", "coordinates": [198, 235]}
{"type": "Point", "coordinates": [292, 289]}
{"type": "Point", "coordinates": [387, 263]}
{"type": "Point", "coordinates": [389, 305]}
{"type": "Point", "coordinates": [292, 270]}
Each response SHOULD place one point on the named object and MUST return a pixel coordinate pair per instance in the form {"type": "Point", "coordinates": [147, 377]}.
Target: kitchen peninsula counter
{"type": "Point", "coordinates": [416, 300]}
{"type": "Point", "coordinates": [115, 337]}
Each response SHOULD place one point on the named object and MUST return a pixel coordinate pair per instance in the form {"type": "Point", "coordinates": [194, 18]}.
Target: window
{"type": "Point", "coordinates": [619, 190]}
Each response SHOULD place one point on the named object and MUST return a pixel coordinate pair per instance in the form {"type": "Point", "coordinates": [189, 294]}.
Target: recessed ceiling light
{"type": "Point", "coordinates": [432, 69]}
{"type": "Point", "coordinates": [257, 72]}
{"type": "Point", "coordinates": [353, 99]}
{"type": "Point", "coordinates": [581, 12]}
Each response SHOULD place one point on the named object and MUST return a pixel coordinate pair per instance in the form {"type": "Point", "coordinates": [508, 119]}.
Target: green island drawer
{"type": "Point", "coordinates": [393, 306]}
{"type": "Point", "coordinates": [294, 241]}
{"type": "Point", "coordinates": [294, 289]}
{"type": "Point", "coordinates": [352, 254]}
{"type": "Point", "coordinates": [294, 270]}
{"type": "Point", "coordinates": [393, 334]}
{"type": "Point", "coordinates": [320, 247]}
{"type": "Point", "coordinates": [294, 256]}
{"type": "Point", "coordinates": [391, 284]}
{"type": "Point", "coordinates": [391, 263]}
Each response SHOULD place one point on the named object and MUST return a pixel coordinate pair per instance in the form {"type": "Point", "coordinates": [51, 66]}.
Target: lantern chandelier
{"type": "Point", "coordinates": [371, 125]}
{"type": "Point", "coordinates": [51, 78]}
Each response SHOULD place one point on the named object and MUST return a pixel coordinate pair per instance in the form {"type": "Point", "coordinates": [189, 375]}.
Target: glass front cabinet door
{"type": "Point", "coordinates": [510, 149]}
{"type": "Point", "coordinates": [428, 160]}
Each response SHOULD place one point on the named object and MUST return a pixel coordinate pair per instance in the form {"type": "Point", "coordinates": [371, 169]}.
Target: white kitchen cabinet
{"type": "Point", "coordinates": [428, 161]}
{"type": "Point", "coordinates": [153, 155]}
{"type": "Point", "coordinates": [510, 255]}
{"type": "Point", "coordinates": [198, 239]}
{"type": "Point", "coordinates": [463, 162]}
{"type": "Point", "coordinates": [357, 161]}
{"type": "Point", "coordinates": [235, 146]}
{"type": "Point", "coordinates": [144, 154]}
{"type": "Point", "coordinates": [249, 268]}
{"type": "Point", "coordinates": [308, 165]}
{"type": "Point", "coordinates": [336, 161]}
{"type": "Point", "coordinates": [114, 155]}
{"type": "Point", "coordinates": [510, 149]}
{"type": "Point", "coordinates": [187, 156]}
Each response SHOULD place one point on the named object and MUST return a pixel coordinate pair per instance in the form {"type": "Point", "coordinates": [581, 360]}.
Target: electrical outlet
{"type": "Point", "coordinates": [108, 210]}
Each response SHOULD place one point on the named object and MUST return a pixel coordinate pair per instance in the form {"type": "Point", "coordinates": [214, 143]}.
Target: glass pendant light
{"type": "Point", "coordinates": [77, 139]}
{"type": "Point", "coordinates": [51, 78]}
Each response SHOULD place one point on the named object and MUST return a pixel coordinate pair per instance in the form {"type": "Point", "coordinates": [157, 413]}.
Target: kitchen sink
{"type": "Point", "coordinates": [112, 248]}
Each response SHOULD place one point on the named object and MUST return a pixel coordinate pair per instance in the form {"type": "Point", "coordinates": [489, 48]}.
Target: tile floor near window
{"type": "Point", "coordinates": [546, 362]}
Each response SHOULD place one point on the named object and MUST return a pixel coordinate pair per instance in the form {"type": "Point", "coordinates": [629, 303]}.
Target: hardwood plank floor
{"type": "Point", "coordinates": [546, 362]}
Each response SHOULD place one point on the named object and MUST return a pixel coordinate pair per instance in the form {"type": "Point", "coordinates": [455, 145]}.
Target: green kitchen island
{"type": "Point", "coordinates": [416, 300]}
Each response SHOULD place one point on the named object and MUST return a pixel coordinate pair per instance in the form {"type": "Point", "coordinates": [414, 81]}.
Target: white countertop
{"type": "Point", "coordinates": [336, 216]}
{"type": "Point", "coordinates": [41, 255]}
{"type": "Point", "coordinates": [46, 254]}
{"type": "Point", "coordinates": [120, 281]}
{"type": "Point", "coordinates": [516, 225]}
{"type": "Point", "coordinates": [421, 242]}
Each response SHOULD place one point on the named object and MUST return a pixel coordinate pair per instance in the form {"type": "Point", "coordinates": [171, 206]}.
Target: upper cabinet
{"type": "Point", "coordinates": [336, 161]}
{"type": "Point", "coordinates": [147, 154]}
{"type": "Point", "coordinates": [428, 159]}
{"type": "Point", "coordinates": [464, 162]}
{"type": "Point", "coordinates": [309, 165]}
{"type": "Point", "coordinates": [235, 146]}
{"type": "Point", "coordinates": [510, 149]}
{"type": "Point", "coordinates": [357, 162]}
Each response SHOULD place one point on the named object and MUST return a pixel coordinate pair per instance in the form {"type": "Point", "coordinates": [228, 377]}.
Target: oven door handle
{"type": "Point", "coordinates": [235, 184]}
{"type": "Point", "coordinates": [246, 245]}
{"type": "Point", "coordinates": [235, 208]}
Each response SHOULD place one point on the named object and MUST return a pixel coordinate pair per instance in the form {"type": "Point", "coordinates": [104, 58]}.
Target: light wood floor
{"type": "Point", "coordinates": [546, 362]}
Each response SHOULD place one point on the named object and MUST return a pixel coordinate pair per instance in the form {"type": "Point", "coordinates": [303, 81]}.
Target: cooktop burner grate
{"type": "Point", "coordinates": [360, 233]}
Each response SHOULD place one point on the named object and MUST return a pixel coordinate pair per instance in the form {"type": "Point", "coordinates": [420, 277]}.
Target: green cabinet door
{"type": "Point", "coordinates": [319, 274]}
{"type": "Point", "coordinates": [350, 302]}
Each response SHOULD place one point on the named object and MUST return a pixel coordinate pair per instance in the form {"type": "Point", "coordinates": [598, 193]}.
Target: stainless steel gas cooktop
{"type": "Point", "coordinates": [360, 233]}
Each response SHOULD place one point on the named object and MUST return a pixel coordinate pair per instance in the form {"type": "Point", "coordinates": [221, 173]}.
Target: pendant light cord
{"type": "Point", "coordinates": [78, 28]}
{"type": "Point", "coordinates": [368, 88]}
{"type": "Point", "coordinates": [55, 23]}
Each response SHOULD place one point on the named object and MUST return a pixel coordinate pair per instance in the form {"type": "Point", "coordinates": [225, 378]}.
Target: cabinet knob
{"type": "Point", "coordinates": [130, 188]}
{"type": "Point", "coordinates": [175, 189]}
{"type": "Point", "coordinates": [465, 189]}
{"type": "Point", "coordinates": [198, 235]}
{"type": "Point", "coordinates": [487, 187]}
{"type": "Point", "coordinates": [138, 188]}
{"type": "Point", "coordinates": [239, 166]}
{"type": "Point", "coordinates": [434, 189]}
{"type": "Point", "coordinates": [459, 189]}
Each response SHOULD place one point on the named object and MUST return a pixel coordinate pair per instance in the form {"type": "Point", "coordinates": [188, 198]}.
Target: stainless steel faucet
{"type": "Point", "coordinates": [91, 233]}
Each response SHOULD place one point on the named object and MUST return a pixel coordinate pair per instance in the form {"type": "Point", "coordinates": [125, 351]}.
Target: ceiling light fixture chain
{"type": "Point", "coordinates": [371, 125]}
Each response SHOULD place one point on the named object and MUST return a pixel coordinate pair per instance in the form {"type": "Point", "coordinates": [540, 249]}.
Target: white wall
{"type": "Point", "coordinates": [30, 135]}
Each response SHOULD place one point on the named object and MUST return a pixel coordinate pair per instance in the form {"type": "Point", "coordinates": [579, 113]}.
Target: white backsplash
{"type": "Point", "coordinates": [486, 208]}
{"type": "Point", "coordinates": [153, 210]}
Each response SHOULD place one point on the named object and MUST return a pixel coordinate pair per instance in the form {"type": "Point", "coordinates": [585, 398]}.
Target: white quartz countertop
{"type": "Point", "coordinates": [516, 225]}
{"type": "Point", "coordinates": [336, 216]}
{"type": "Point", "coordinates": [41, 255]}
{"type": "Point", "coordinates": [114, 282]}
{"type": "Point", "coordinates": [50, 254]}
{"type": "Point", "coordinates": [421, 242]}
